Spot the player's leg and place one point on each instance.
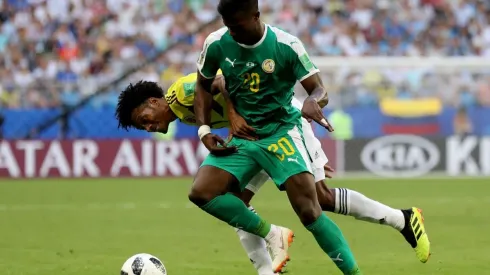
(213, 182)
(253, 186)
(349, 202)
(212, 189)
(286, 161)
(352, 203)
(302, 195)
(255, 246)
(409, 222)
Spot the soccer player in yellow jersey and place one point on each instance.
(145, 106)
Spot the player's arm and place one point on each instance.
(308, 74)
(238, 125)
(207, 66)
(316, 100)
(315, 89)
(203, 100)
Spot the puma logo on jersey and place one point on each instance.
(231, 62)
(293, 160)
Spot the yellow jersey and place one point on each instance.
(180, 98)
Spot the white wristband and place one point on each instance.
(203, 130)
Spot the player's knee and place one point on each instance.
(303, 197)
(199, 196)
(309, 213)
(196, 197)
(326, 196)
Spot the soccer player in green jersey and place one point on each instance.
(145, 105)
(261, 65)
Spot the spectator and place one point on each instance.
(483, 86)
(462, 124)
(465, 97)
(79, 45)
(2, 121)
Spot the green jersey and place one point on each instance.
(259, 78)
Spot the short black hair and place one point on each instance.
(228, 7)
(132, 97)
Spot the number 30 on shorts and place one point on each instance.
(285, 146)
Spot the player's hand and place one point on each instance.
(217, 145)
(312, 111)
(328, 171)
(239, 127)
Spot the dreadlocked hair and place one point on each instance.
(132, 97)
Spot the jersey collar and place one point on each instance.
(258, 43)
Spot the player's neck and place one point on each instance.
(173, 116)
(256, 38)
(260, 33)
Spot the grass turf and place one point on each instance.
(90, 226)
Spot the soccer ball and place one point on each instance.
(143, 264)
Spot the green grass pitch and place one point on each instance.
(90, 226)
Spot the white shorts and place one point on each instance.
(314, 148)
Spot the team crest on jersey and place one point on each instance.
(268, 66)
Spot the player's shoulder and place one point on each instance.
(216, 36)
(288, 40)
(211, 44)
(182, 90)
(283, 36)
(187, 89)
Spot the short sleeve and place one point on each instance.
(208, 62)
(302, 65)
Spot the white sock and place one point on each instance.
(272, 233)
(255, 247)
(352, 203)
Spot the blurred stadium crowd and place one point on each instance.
(55, 52)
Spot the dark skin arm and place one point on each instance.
(238, 125)
(317, 99)
(218, 85)
(203, 100)
(202, 108)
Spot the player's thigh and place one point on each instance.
(315, 151)
(302, 195)
(240, 164)
(252, 187)
(283, 155)
(209, 182)
(257, 182)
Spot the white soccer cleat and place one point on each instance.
(278, 246)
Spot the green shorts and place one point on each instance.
(281, 155)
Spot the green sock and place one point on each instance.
(233, 211)
(331, 240)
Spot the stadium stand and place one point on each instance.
(53, 53)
